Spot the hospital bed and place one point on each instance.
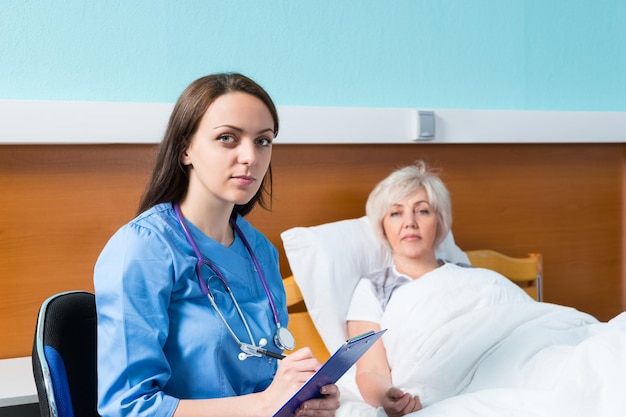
(329, 258)
(467, 351)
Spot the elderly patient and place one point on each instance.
(456, 330)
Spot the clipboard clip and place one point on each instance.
(362, 336)
(359, 337)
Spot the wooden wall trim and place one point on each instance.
(623, 241)
(60, 204)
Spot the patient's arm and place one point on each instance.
(373, 376)
(372, 371)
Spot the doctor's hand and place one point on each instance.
(292, 373)
(397, 403)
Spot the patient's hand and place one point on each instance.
(398, 403)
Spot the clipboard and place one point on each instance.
(330, 372)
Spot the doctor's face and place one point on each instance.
(231, 150)
(410, 227)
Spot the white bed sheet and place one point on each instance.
(471, 343)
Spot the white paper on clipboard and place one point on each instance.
(330, 372)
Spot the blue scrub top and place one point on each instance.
(159, 339)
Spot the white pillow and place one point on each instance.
(328, 260)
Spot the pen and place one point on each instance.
(270, 354)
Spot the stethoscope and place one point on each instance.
(283, 338)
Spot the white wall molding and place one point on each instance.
(72, 122)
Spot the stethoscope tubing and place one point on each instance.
(248, 349)
(205, 289)
(258, 269)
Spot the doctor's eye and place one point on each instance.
(264, 141)
(226, 139)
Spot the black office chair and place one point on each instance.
(64, 355)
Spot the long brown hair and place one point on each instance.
(170, 178)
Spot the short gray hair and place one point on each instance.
(402, 183)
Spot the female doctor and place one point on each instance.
(192, 316)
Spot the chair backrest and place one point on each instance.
(64, 355)
(527, 272)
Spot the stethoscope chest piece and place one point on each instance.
(284, 339)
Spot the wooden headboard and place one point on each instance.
(60, 204)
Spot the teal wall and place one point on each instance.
(479, 54)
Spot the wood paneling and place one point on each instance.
(60, 204)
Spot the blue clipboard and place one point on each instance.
(330, 372)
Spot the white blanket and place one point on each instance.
(471, 343)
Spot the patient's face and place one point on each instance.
(410, 226)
